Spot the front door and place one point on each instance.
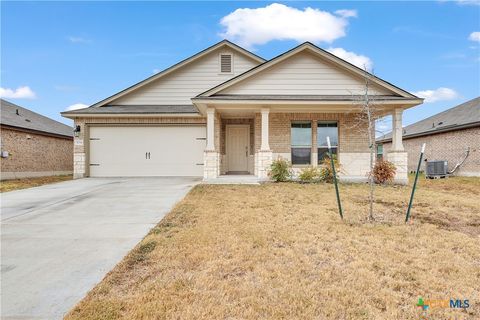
(237, 145)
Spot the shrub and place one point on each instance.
(280, 170)
(326, 171)
(309, 174)
(383, 171)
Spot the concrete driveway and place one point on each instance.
(59, 240)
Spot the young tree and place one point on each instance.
(367, 113)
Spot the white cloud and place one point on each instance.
(347, 13)
(474, 36)
(440, 94)
(74, 39)
(76, 106)
(251, 27)
(363, 62)
(20, 93)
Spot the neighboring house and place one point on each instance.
(228, 111)
(452, 135)
(33, 145)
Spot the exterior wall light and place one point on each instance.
(76, 131)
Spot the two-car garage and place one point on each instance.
(141, 151)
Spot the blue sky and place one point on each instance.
(57, 54)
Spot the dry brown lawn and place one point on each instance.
(280, 251)
(17, 184)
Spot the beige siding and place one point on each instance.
(181, 85)
(303, 74)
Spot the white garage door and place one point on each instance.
(147, 151)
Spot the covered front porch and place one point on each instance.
(237, 145)
(244, 139)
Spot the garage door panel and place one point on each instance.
(147, 151)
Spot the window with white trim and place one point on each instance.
(324, 130)
(301, 135)
(226, 63)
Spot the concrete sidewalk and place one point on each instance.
(59, 240)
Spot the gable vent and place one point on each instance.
(226, 63)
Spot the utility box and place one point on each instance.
(436, 169)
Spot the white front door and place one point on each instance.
(238, 137)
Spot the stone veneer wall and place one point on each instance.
(79, 151)
(34, 155)
(450, 146)
(211, 163)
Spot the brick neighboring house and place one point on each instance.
(33, 145)
(448, 135)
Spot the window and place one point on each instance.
(379, 151)
(324, 130)
(301, 133)
(225, 63)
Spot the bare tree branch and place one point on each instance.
(367, 111)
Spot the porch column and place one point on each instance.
(210, 129)
(265, 144)
(397, 130)
(211, 158)
(264, 157)
(397, 155)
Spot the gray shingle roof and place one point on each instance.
(30, 120)
(297, 97)
(464, 115)
(158, 109)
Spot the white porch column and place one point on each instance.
(397, 155)
(210, 129)
(264, 157)
(397, 130)
(265, 144)
(211, 158)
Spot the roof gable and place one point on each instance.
(303, 74)
(224, 44)
(298, 65)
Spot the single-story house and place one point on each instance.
(452, 135)
(226, 110)
(33, 145)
